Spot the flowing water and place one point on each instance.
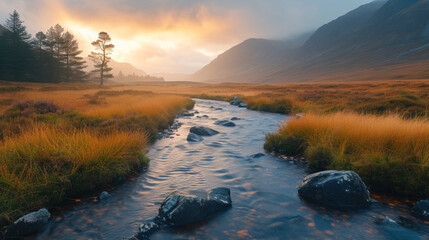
(264, 191)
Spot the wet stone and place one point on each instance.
(335, 189)
(225, 123)
(29, 224)
(203, 131)
(192, 137)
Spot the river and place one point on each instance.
(264, 191)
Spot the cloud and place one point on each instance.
(176, 35)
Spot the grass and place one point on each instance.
(60, 144)
(390, 153)
(45, 165)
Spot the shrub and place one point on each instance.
(319, 157)
(289, 145)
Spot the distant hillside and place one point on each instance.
(387, 39)
(125, 68)
(249, 61)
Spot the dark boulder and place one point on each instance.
(225, 123)
(29, 224)
(235, 119)
(421, 210)
(192, 137)
(335, 189)
(218, 109)
(180, 208)
(203, 131)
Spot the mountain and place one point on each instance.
(125, 68)
(248, 61)
(382, 39)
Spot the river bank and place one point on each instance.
(265, 203)
(56, 146)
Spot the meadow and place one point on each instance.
(378, 129)
(59, 142)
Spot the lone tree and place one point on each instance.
(100, 57)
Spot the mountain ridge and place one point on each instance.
(383, 34)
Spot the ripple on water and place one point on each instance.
(264, 191)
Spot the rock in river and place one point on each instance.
(225, 123)
(192, 137)
(242, 105)
(181, 208)
(203, 131)
(184, 207)
(335, 189)
(421, 210)
(235, 101)
(29, 224)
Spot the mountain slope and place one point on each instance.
(383, 37)
(248, 61)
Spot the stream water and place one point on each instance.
(264, 191)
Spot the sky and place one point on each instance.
(176, 36)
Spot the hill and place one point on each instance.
(248, 61)
(386, 38)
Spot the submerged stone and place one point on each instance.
(257, 155)
(225, 123)
(192, 137)
(335, 189)
(203, 131)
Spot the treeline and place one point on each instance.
(51, 56)
(137, 78)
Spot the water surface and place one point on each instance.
(264, 191)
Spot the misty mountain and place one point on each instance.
(125, 68)
(387, 39)
(249, 61)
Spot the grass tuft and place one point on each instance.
(389, 152)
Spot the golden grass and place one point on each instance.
(60, 141)
(153, 105)
(45, 164)
(390, 153)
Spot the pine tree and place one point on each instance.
(19, 32)
(19, 55)
(74, 64)
(39, 43)
(100, 57)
